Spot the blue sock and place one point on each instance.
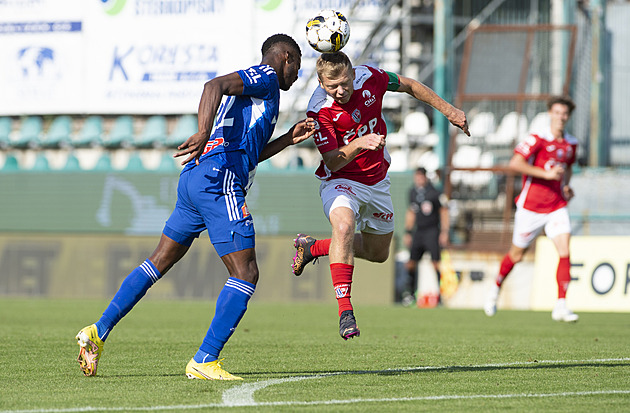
(231, 305)
(130, 292)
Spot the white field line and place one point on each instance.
(243, 395)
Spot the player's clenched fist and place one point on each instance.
(372, 141)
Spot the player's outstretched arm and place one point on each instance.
(213, 92)
(425, 94)
(299, 132)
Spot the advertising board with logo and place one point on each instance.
(600, 274)
(144, 56)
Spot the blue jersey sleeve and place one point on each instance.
(259, 81)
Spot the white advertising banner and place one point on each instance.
(148, 56)
(41, 56)
(600, 274)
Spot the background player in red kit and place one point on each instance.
(350, 135)
(545, 161)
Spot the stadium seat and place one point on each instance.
(264, 166)
(10, 163)
(135, 164)
(104, 163)
(58, 134)
(72, 163)
(482, 124)
(399, 160)
(416, 126)
(396, 140)
(430, 161)
(153, 134)
(513, 126)
(167, 163)
(185, 127)
(540, 123)
(29, 132)
(41, 163)
(90, 133)
(6, 126)
(121, 133)
(466, 156)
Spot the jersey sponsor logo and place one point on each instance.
(320, 139)
(356, 115)
(342, 290)
(362, 74)
(349, 134)
(369, 98)
(336, 118)
(345, 188)
(213, 144)
(551, 148)
(384, 216)
(245, 210)
(253, 75)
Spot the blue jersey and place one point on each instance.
(246, 122)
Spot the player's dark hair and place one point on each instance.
(278, 39)
(563, 100)
(332, 64)
(421, 170)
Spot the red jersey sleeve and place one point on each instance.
(529, 146)
(325, 138)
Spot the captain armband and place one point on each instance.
(394, 81)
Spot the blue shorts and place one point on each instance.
(211, 196)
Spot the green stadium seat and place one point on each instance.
(167, 163)
(135, 163)
(59, 133)
(91, 132)
(72, 163)
(121, 133)
(104, 163)
(41, 163)
(153, 134)
(10, 163)
(6, 126)
(185, 127)
(29, 133)
(264, 166)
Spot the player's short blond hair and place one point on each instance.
(332, 65)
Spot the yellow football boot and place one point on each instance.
(208, 371)
(91, 347)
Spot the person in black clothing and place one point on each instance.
(426, 229)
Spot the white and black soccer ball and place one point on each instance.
(328, 32)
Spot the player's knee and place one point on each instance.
(344, 229)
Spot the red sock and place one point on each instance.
(320, 247)
(563, 276)
(504, 270)
(342, 280)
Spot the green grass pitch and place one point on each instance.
(292, 359)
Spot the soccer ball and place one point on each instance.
(328, 32)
